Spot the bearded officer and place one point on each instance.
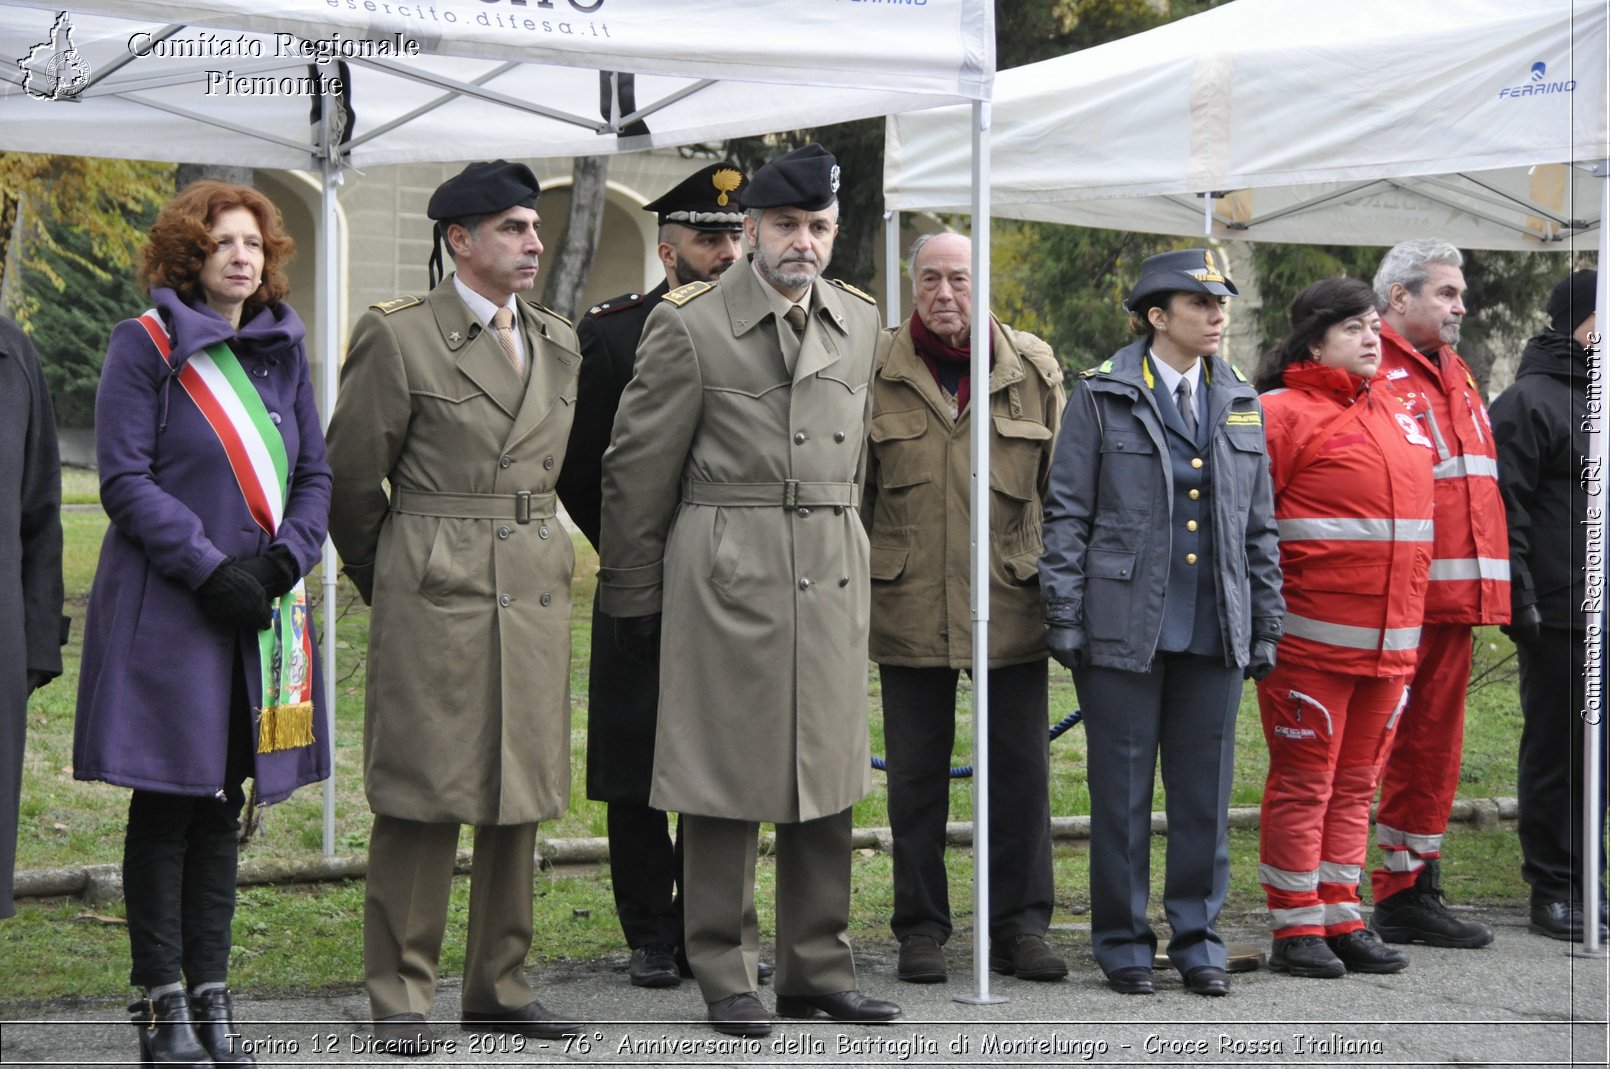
(701, 227)
(729, 504)
(461, 400)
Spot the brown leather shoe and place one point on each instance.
(406, 1035)
(532, 1019)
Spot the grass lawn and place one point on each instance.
(311, 935)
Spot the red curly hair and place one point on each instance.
(180, 241)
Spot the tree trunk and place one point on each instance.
(1244, 334)
(568, 271)
(12, 225)
(186, 173)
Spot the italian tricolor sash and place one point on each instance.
(234, 410)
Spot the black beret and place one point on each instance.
(806, 178)
(707, 199)
(1186, 270)
(1572, 301)
(483, 188)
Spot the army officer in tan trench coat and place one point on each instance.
(462, 400)
(729, 504)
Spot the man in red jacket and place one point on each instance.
(1421, 290)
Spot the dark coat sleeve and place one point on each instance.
(1263, 559)
(597, 395)
(1525, 440)
(1070, 506)
(40, 518)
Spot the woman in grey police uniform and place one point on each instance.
(1161, 578)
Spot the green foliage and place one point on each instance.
(76, 303)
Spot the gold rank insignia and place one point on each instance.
(683, 294)
(1253, 419)
(725, 180)
(396, 304)
(847, 288)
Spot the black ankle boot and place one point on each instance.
(214, 1013)
(167, 1035)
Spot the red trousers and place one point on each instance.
(1327, 735)
(1422, 769)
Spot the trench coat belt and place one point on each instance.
(787, 494)
(521, 507)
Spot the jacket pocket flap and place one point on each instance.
(1246, 439)
(1126, 442)
(1007, 427)
(898, 426)
(887, 562)
(1023, 567)
(1109, 564)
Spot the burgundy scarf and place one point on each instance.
(934, 352)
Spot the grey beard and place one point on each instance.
(784, 281)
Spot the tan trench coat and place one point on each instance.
(918, 507)
(467, 716)
(763, 675)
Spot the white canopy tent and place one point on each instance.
(229, 81)
(1484, 122)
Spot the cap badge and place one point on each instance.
(725, 180)
(833, 179)
(1209, 273)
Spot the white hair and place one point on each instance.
(1405, 265)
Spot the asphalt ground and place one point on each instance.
(1522, 1001)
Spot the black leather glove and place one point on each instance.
(275, 571)
(1262, 660)
(639, 637)
(1526, 628)
(231, 597)
(1067, 644)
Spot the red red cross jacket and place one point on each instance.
(1353, 490)
(1470, 558)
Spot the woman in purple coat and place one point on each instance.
(199, 667)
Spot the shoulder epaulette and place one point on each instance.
(1037, 353)
(396, 304)
(549, 311)
(847, 288)
(1101, 369)
(1239, 377)
(683, 294)
(615, 304)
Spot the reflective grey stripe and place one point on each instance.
(1356, 529)
(1386, 835)
(1430, 420)
(1286, 880)
(1402, 861)
(1353, 638)
(1341, 912)
(1303, 915)
(1494, 568)
(1460, 467)
(1332, 872)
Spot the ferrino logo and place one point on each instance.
(1539, 84)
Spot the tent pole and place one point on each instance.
(1593, 714)
(329, 329)
(980, 558)
(891, 267)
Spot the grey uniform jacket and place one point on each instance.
(1108, 527)
(730, 493)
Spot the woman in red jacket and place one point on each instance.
(1353, 493)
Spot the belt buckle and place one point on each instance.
(790, 493)
(522, 506)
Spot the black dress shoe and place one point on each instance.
(1557, 920)
(1135, 980)
(167, 1035)
(1208, 980)
(855, 1006)
(739, 1015)
(654, 965)
(406, 1035)
(213, 1012)
(764, 970)
(1361, 950)
(532, 1019)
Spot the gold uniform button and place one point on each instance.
(1195, 494)
(1190, 525)
(1196, 462)
(1190, 558)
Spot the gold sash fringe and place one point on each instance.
(285, 727)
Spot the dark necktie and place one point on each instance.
(1182, 398)
(796, 318)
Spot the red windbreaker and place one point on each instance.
(1470, 558)
(1353, 498)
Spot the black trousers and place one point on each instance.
(645, 870)
(1550, 768)
(919, 730)
(180, 855)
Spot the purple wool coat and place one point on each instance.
(154, 688)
